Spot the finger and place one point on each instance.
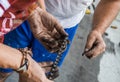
(58, 26)
(89, 44)
(90, 41)
(98, 49)
(40, 32)
(36, 25)
(101, 48)
(56, 35)
(93, 53)
(51, 50)
(60, 30)
(49, 41)
(51, 23)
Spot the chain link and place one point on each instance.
(54, 72)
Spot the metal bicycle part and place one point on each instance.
(53, 73)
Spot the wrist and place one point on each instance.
(98, 30)
(32, 8)
(11, 58)
(34, 13)
(96, 33)
(26, 53)
(17, 63)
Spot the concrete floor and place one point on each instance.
(104, 68)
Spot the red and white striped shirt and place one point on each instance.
(12, 13)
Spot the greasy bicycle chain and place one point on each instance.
(54, 70)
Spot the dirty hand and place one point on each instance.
(95, 44)
(34, 73)
(46, 29)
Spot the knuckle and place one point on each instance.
(87, 47)
(90, 53)
(88, 44)
(90, 37)
(104, 46)
(104, 50)
(96, 53)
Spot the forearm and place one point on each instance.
(9, 57)
(41, 4)
(104, 14)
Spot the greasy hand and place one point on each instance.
(46, 29)
(34, 73)
(95, 45)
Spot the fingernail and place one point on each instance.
(86, 50)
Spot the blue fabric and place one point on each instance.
(22, 37)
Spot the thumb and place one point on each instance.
(89, 44)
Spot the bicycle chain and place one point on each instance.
(52, 74)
